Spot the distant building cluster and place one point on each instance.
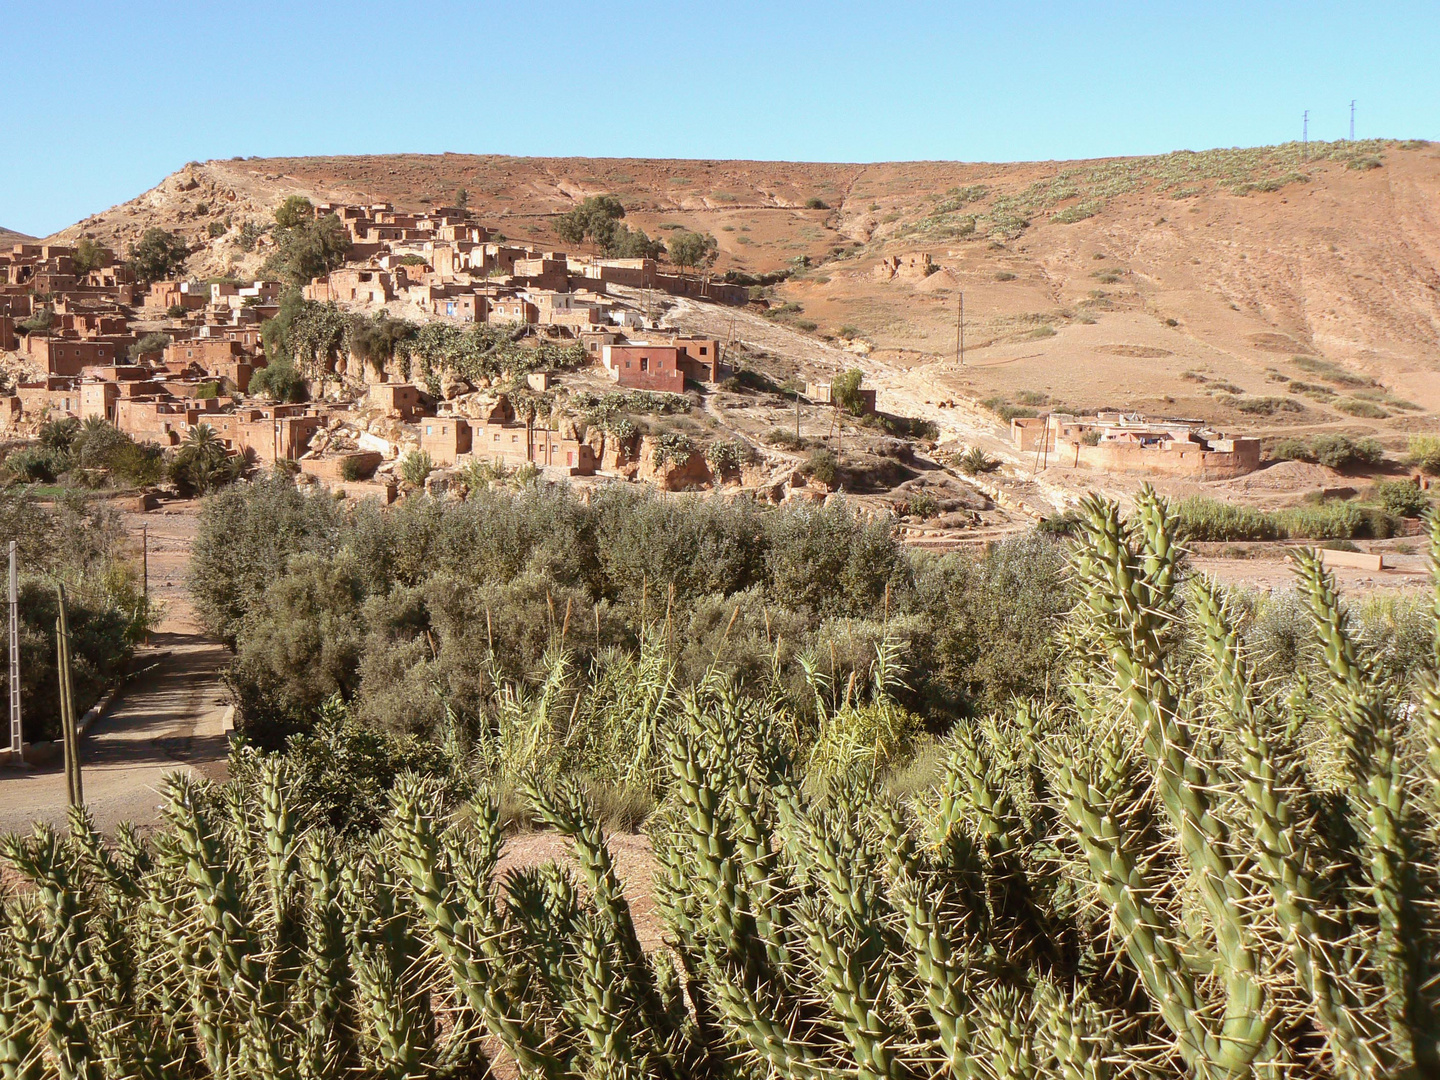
(1129, 442)
(158, 360)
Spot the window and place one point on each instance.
(644, 363)
(702, 350)
(429, 430)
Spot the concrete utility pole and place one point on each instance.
(1352, 119)
(1305, 136)
(17, 737)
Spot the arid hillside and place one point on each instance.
(1272, 289)
(10, 236)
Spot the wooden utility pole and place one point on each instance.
(17, 736)
(68, 724)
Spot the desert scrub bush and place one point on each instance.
(1167, 870)
(1330, 371)
(1260, 406)
(823, 467)
(1354, 406)
(1403, 498)
(1005, 410)
(1423, 453)
(355, 468)
(785, 439)
(416, 467)
(1334, 451)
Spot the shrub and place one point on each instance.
(823, 467)
(1362, 408)
(1340, 451)
(784, 438)
(279, 380)
(816, 203)
(1293, 449)
(415, 468)
(354, 468)
(149, 343)
(1424, 453)
(976, 461)
(1403, 498)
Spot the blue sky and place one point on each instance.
(110, 97)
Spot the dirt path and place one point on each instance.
(167, 718)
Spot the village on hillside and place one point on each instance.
(524, 360)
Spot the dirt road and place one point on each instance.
(167, 718)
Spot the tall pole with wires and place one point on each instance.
(17, 737)
(960, 333)
(1352, 119)
(1305, 136)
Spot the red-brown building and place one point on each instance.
(643, 366)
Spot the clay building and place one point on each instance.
(641, 365)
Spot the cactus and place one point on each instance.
(1163, 875)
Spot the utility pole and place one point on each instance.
(960, 334)
(1352, 119)
(1305, 136)
(68, 724)
(17, 737)
(145, 573)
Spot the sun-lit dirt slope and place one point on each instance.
(1183, 283)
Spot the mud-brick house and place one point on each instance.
(400, 400)
(512, 309)
(641, 365)
(445, 438)
(67, 356)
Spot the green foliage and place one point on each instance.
(975, 461)
(307, 246)
(689, 250)
(1167, 869)
(202, 463)
(816, 203)
(415, 467)
(729, 456)
(595, 219)
(846, 392)
(378, 340)
(1203, 518)
(158, 254)
(279, 380)
(1424, 453)
(80, 542)
(823, 466)
(354, 468)
(90, 255)
(672, 449)
(1403, 498)
(39, 322)
(148, 344)
(1331, 450)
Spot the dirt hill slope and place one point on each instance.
(10, 236)
(1184, 283)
